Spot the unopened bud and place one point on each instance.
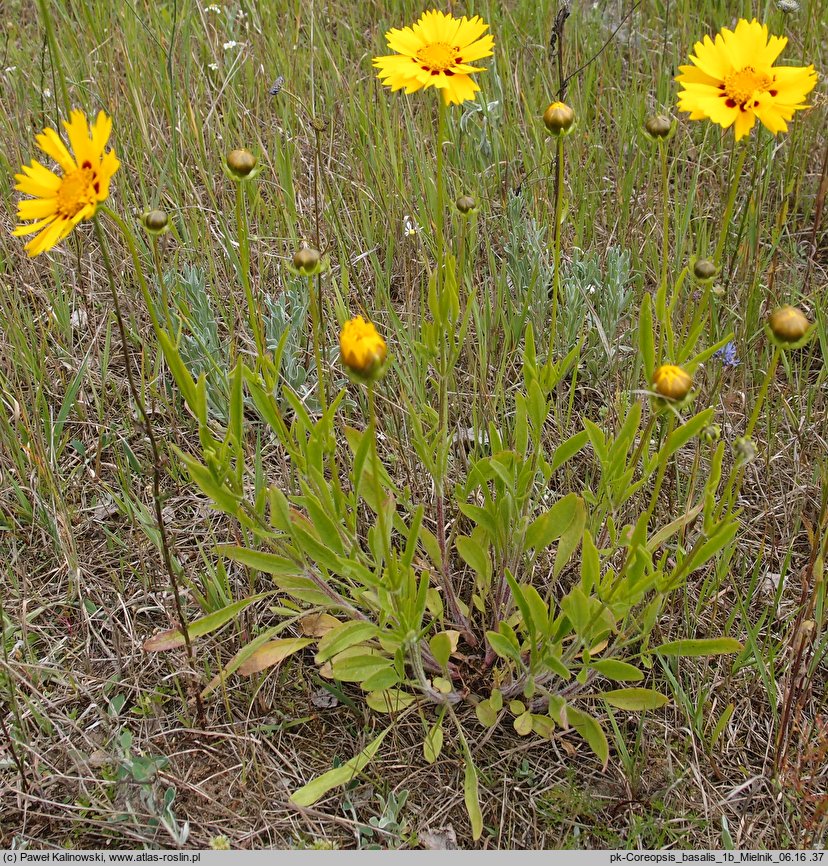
(155, 222)
(658, 126)
(559, 118)
(466, 204)
(241, 163)
(704, 269)
(744, 450)
(711, 433)
(789, 325)
(306, 260)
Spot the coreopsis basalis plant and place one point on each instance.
(552, 599)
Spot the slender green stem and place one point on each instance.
(735, 480)
(763, 391)
(556, 275)
(253, 311)
(46, 15)
(378, 491)
(316, 327)
(129, 237)
(162, 285)
(166, 546)
(729, 205)
(440, 215)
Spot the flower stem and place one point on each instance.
(46, 15)
(316, 327)
(729, 205)
(253, 311)
(166, 547)
(556, 275)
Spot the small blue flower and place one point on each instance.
(727, 355)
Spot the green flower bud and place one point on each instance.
(559, 118)
(241, 164)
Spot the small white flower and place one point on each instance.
(230, 44)
(47, 93)
(213, 66)
(410, 228)
(213, 8)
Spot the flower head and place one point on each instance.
(672, 382)
(362, 349)
(466, 205)
(558, 118)
(241, 164)
(727, 355)
(789, 327)
(436, 52)
(60, 202)
(307, 260)
(733, 80)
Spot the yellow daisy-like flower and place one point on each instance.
(436, 52)
(362, 349)
(59, 203)
(733, 80)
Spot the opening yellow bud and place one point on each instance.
(672, 382)
(241, 162)
(558, 118)
(362, 349)
(788, 324)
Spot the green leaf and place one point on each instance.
(357, 669)
(269, 563)
(619, 671)
(591, 731)
(180, 373)
(503, 646)
(471, 796)
(344, 636)
(646, 340)
(567, 450)
(475, 556)
(389, 700)
(222, 497)
(635, 699)
(441, 648)
(173, 638)
(311, 793)
(693, 648)
(686, 432)
(433, 743)
(552, 524)
(571, 538)
(486, 713)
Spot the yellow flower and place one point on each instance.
(59, 203)
(733, 80)
(362, 349)
(672, 382)
(436, 52)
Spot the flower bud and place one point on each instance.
(789, 326)
(704, 269)
(744, 450)
(155, 222)
(466, 204)
(658, 126)
(672, 382)
(362, 350)
(787, 7)
(306, 260)
(240, 163)
(559, 118)
(711, 433)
